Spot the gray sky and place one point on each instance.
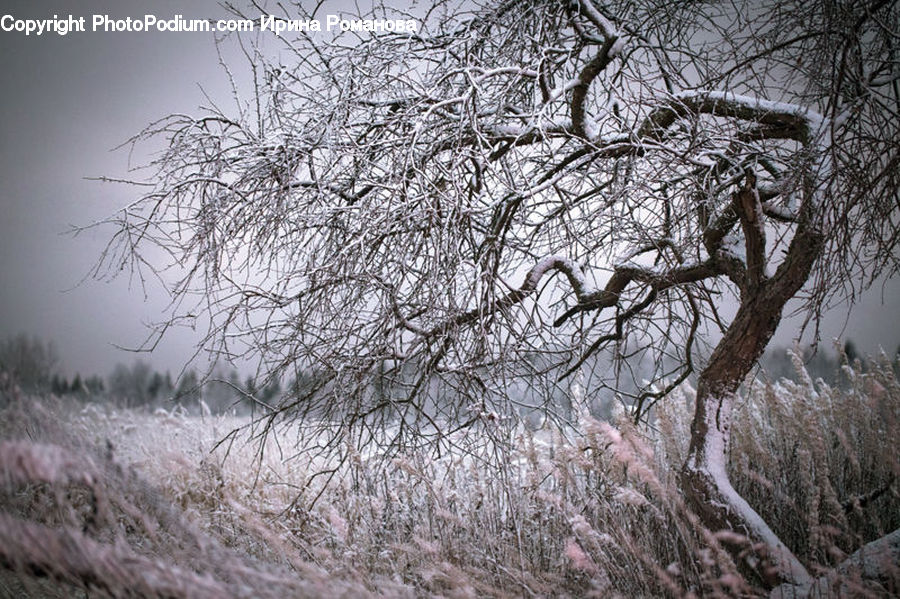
(66, 102)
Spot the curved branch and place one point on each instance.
(783, 120)
(598, 19)
(612, 47)
(606, 55)
(568, 267)
(624, 274)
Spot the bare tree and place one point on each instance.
(405, 217)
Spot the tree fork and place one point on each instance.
(704, 476)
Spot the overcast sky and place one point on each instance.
(67, 101)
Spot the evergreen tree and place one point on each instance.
(188, 390)
(59, 385)
(77, 386)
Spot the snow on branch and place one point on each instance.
(581, 122)
(789, 121)
(588, 297)
(605, 26)
(570, 268)
(572, 271)
(612, 47)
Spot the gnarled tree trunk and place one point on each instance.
(704, 477)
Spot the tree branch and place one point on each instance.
(573, 273)
(752, 223)
(789, 120)
(587, 75)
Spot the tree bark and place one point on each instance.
(873, 570)
(704, 476)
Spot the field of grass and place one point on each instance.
(96, 502)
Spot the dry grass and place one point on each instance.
(113, 503)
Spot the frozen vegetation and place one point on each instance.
(103, 501)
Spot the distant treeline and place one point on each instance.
(34, 366)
